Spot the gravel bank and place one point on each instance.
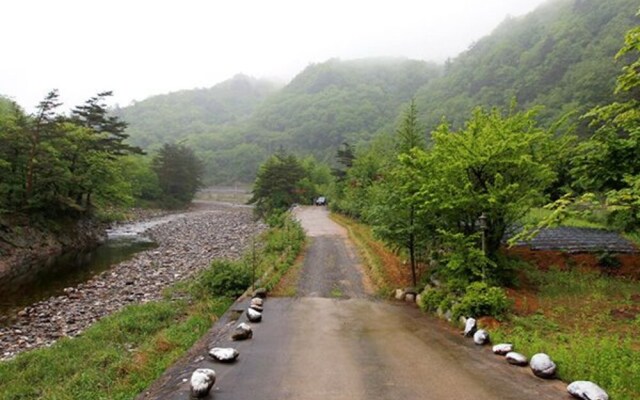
(186, 245)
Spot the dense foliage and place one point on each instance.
(53, 164)
(559, 56)
(284, 180)
(179, 174)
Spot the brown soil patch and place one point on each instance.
(545, 259)
(525, 302)
(489, 323)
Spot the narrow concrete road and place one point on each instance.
(346, 345)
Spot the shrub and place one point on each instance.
(480, 300)
(226, 278)
(608, 261)
(434, 298)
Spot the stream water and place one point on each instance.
(42, 280)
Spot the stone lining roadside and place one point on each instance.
(186, 245)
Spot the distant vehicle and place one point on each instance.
(321, 201)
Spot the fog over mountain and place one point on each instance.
(143, 48)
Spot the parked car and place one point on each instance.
(321, 201)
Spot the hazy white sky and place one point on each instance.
(138, 48)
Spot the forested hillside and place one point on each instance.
(171, 117)
(337, 100)
(323, 106)
(560, 56)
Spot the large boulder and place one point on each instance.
(224, 354)
(253, 315)
(542, 366)
(481, 337)
(242, 332)
(502, 348)
(202, 381)
(470, 327)
(586, 390)
(517, 359)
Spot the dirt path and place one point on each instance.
(318, 346)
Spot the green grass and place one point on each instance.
(120, 355)
(633, 236)
(576, 325)
(336, 292)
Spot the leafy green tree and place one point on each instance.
(278, 184)
(610, 160)
(499, 165)
(179, 173)
(393, 215)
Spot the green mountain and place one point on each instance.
(171, 117)
(335, 101)
(320, 108)
(560, 56)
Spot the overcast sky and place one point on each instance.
(139, 48)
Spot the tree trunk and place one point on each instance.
(412, 247)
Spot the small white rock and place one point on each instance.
(253, 315)
(257, 301)
(202, 381)
(542, 366)
(502, 348)
(586, 390)
(224, 354)
(481, 337)
(469, 327)
(400, 294)
(243, 331)
(410, 298)
(517, 359)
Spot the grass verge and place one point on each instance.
(120, 355)
(587, 322)
(384, 267)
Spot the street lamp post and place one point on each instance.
(483, 228)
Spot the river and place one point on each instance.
(39, 281)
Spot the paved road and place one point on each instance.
(319, 346)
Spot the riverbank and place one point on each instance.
(122, 354)
(186, 245)
(24, 243)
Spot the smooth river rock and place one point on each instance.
(242, 332)
(586, 390)
(517, 359)
(224, 354)
(253, 315)
(470, 327)
(542, 366)
(502, 349)
(257, 301)
(202, 381)
(481, 337)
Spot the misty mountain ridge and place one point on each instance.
(559, 56)
(170, 117)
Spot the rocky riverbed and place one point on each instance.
(186, 245)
